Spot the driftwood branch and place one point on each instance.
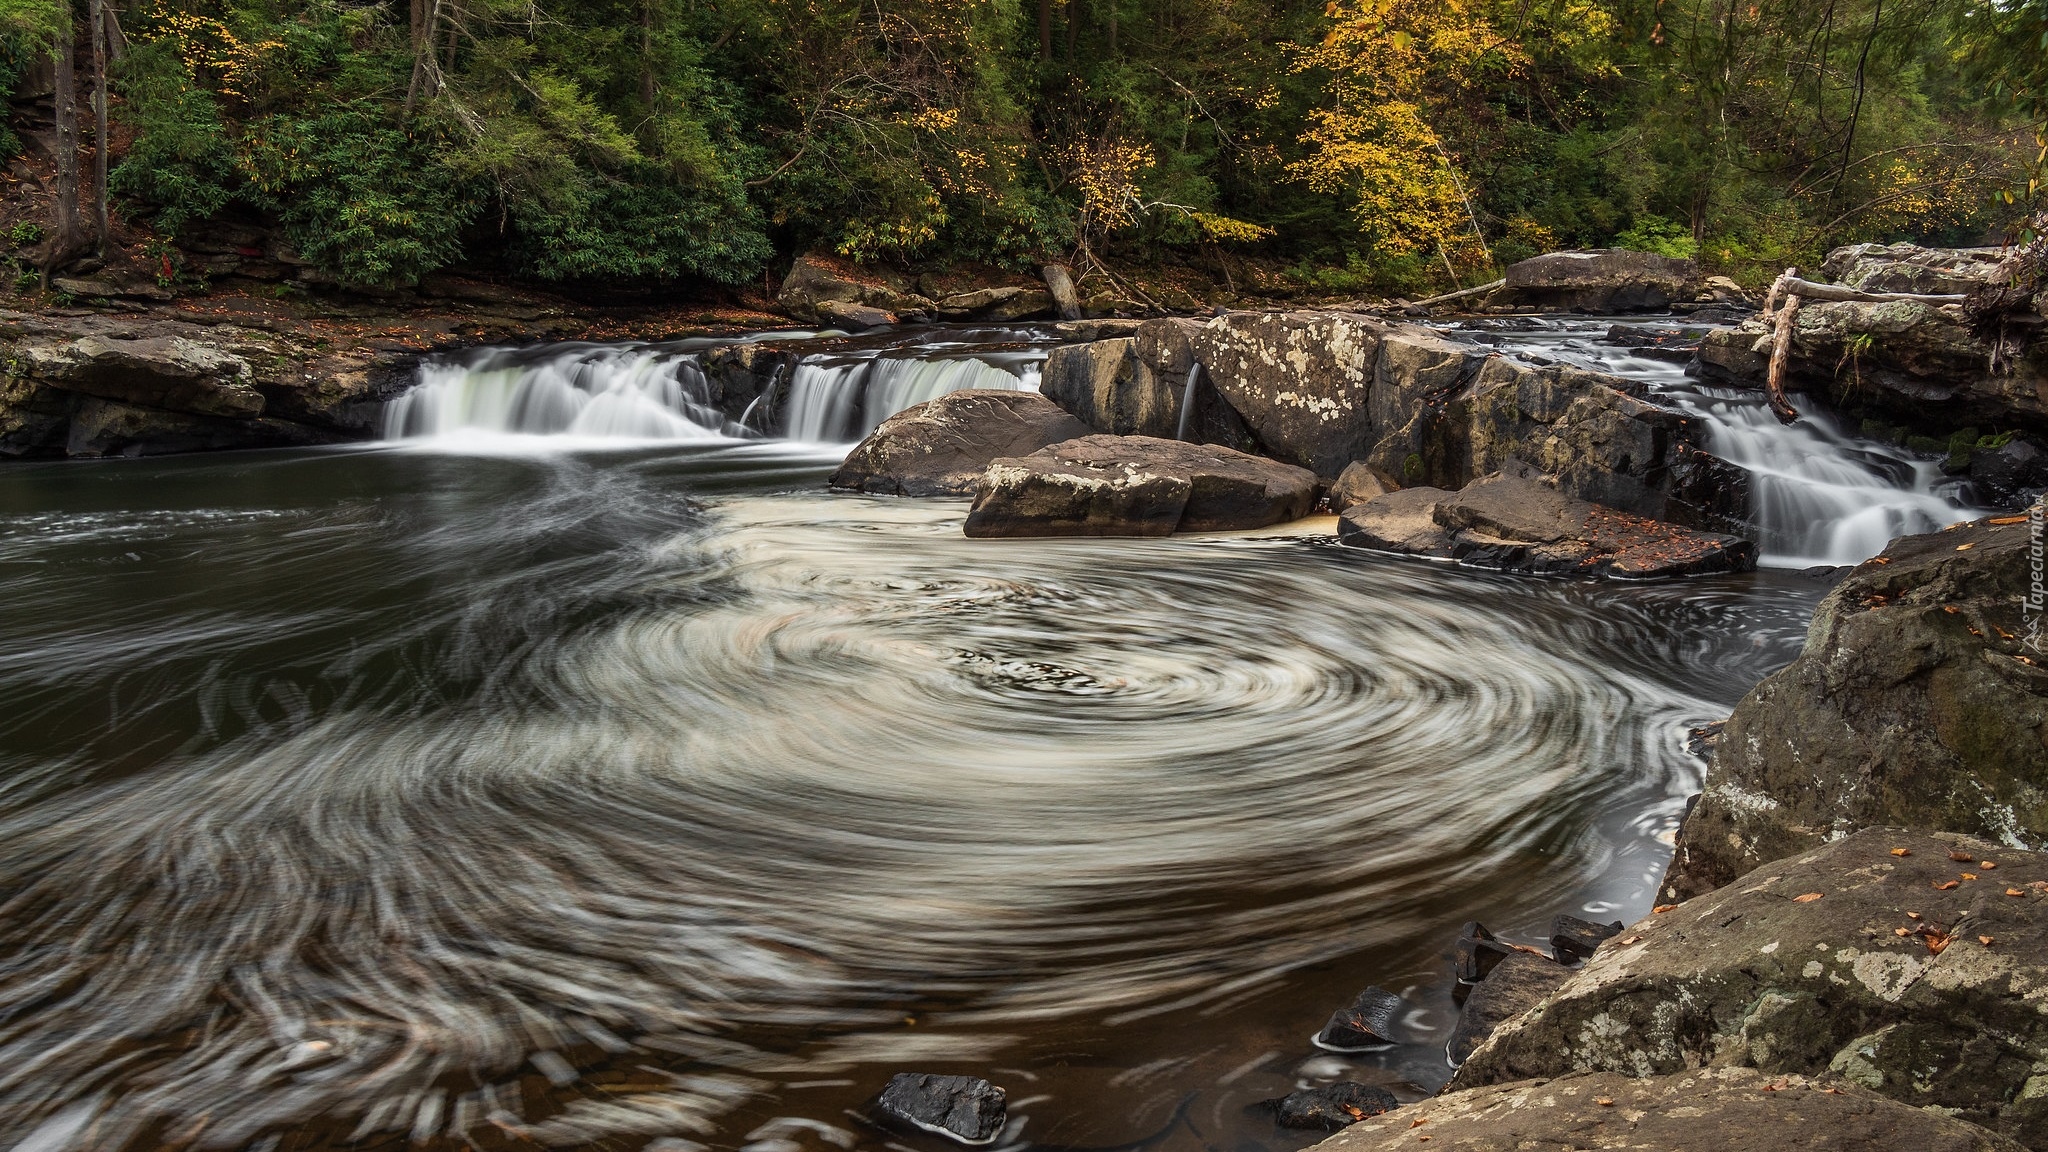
(1814, 291)
(1785, 322)
(1461, 294)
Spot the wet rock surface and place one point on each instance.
(1920, 700)
(1515, 984)
(1358, 483)
(964, 1108)
(1135, 486)
(942, 447)
(1517, 521)
(1717, 1110)
(1601, 280)
(1879, 959)
(1332, 1106)
(1372, 1021)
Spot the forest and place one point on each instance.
(1354, 145)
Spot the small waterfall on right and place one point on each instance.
(1820, 495)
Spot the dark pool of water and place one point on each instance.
(344, 795)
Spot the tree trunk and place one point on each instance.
(65, 239)
(647, 54)
(426, 20)
(1073, 29)
(1045, 29)
(102, 227)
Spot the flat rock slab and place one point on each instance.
(1879, 958)
(1918, 702)
(1136, 486)
(164, 372)
(1601, 280)
(1720, 1110)
(942, 447)
(1520, 523)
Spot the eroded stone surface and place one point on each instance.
(1918, 701)
(1719, 1110)
(943, 446)
(1135, 486)
(1825, 963)
(1603, 280)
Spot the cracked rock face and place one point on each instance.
(1918, 701)
(1720, 1110)
(1910, 974)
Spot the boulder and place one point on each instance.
(1717, 1110)
(1516, 984)
(1332, 1106)
(964, 1108)
(1301, 381)
(170, 373)
(1358, 483)
(1135, 486)
(1911, 268)
(1920, 364)
(110, 428)
(942, 447)
(1602, 280)
(1111, 390)
(827, 290)
(749, 382)
(1921, 699)
(2010, 471)
(1907, 963)
(1518, 522)
(999, 305)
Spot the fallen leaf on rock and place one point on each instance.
(1809, 898)
(1418, 1122)
(1984, 940)
(1660, 909)
(1964, 547)
(1632, 940)
(1936, 940)
(1944, 886)
(1950, 609)
(1969, 875)
(1988, 864)
(1912, 915)
(1604, 1101)
(1902, 931)
(1961, 857)
(2015, 892)
(1902, 851)
(1879, 560)
(2008, 520)
(1832, 1092)
(1421, 1137)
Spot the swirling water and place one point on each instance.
(386, 797)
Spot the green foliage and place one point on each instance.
(182, 162)
(1652, 233)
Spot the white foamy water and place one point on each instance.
(836, 392)
(1820, 495)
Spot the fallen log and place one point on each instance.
(1461, 294)
(1786, 321)
(1813, 290)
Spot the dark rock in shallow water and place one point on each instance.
(1136, 486)
(1372, 1021)
(1573, 939)
(1879, 958)
(1919, 701)
(965, 1108)
(1518, 983)
(2011, 474)
(1520, 523)
(1332, 1107)
(1711, 1110)
(1476, 954)
(942, 447)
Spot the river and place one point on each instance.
(622, 783)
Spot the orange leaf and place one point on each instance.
(1912, 915)
(1604, 1101)
(1902, 851)
(1988, 865)
(2015, 892)
(1969, 875)
(1809, 898)
(1902, 931)
(1660, 909)
(1943, 887)
(1961, 857)
(1984, 940)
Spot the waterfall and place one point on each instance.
(1819, 495)
(639, 392)
(1187, 400)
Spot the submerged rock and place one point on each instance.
(1511, 987)
(1881, 958)
(1135, 486)
(965, 1108)
(1332, 1107)
(943, 446)
(1921, 700)
(1517, 522)
(1601, 280)
(1372, 1021)
(1717, 1110)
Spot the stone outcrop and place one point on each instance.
(1601, 280)
(1518, 522)
(1918, 363)
(1513, 986)
(1717, 1110)
(1906, 963)
(1324, 390)
(823, 289)
(942, 447)
(1136, 486)
(106, 386)
(1921, 699)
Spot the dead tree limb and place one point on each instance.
(1787, 321)
(1462, 293)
